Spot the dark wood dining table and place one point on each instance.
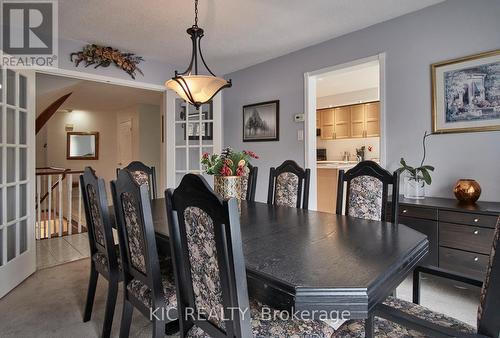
(314, 261)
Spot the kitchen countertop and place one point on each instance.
(336, 164)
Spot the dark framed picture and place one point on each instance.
(261, 121)
(466, 94)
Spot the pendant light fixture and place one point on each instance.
(195, 88)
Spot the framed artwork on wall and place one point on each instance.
(261, 121)
(466, 94)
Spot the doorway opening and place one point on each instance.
(344, 123)
(84, 123)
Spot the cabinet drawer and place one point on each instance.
(487, 221)
(411, 211)
(470, 264)
(466, 237)
(428, 228)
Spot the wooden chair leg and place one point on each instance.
(369, 326)
(158, 328)
(110, 308)
(90, 293)
(127, 311)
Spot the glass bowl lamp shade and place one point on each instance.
(197, 89)
(193, 87)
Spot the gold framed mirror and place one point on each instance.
(82, 146)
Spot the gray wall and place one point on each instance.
(412, 43)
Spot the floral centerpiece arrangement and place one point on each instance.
(230, 170)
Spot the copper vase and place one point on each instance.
(467, 190)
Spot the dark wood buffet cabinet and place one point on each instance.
(460, 236)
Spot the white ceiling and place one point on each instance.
(89, 95)
(349, 79)
(239, 33)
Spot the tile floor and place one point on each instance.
(58, 250)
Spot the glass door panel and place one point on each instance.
(193, 133)
(17, 249)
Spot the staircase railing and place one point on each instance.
(58, 204)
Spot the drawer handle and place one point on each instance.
(476, 259)
(405, 211)
(476, 232)
(476, 220)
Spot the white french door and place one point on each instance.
(17, 174)
(190, 133)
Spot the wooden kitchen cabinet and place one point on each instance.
(354, 121)
(326, 193)
(327, 121)
(372, 119)
(342, 118)
(358, 121)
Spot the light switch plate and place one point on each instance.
(300, 135)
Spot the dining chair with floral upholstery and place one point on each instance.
(148, 281)
(249, 183)
(210, 274)
(105, 256)
(367, 192)
(399, 318)
(289, 185)
(142, 174)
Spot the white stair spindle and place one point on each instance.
(70, 203)
(60, 200)
(79, 207)
(39, 209)
(49, 211)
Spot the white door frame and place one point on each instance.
(310, 116)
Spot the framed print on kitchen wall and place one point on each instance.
(261, 121)
(466, 94)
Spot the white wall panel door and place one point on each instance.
(190, 133)
(17, 177)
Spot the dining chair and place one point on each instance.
(289, 185)
(105, 255)
(148, 281)
(399, 318)
(210, 273)
(249, 183)
(142, 174)
(367, 192)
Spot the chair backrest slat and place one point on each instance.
(249, 184)
(99, 229)
(208, 260)
(136, 234)
(488, 321)
(367, 191)
(142, 174)
(289, 185)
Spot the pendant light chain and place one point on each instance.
(196, 13)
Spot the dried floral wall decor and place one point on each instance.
(104, 56)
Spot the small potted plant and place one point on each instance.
(416, 178)
(228, 169)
